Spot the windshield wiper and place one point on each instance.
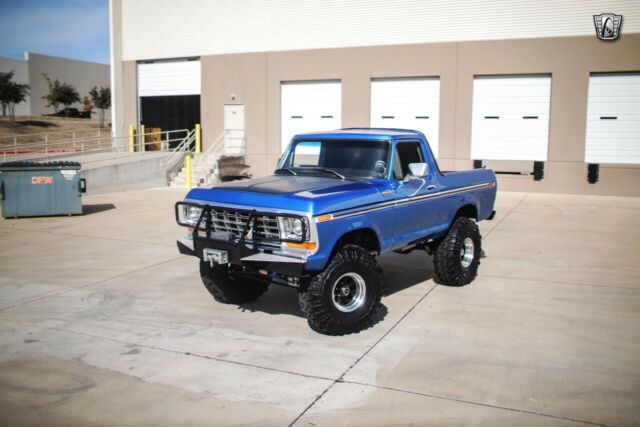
(321, 169)
(291, 171)
(331, 171)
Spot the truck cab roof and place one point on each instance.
(361, 133)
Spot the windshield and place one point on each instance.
(350, 158)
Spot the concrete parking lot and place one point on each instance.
(103, 323)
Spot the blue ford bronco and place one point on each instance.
(337, 200)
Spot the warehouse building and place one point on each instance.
(525, 88)
(82, 75)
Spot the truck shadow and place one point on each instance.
(404, 271)
(400, 272)
(280, 300)
(92, 209)
(397, 279)
(277, 300)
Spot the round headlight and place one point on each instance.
(297, 226)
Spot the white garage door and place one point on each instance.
(309, 107)
(407, 104)
(613, 119)
(169, 78)
(510, 118)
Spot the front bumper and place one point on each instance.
(242, 255)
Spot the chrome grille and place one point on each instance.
(232, 223)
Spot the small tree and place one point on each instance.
(53, 96)
(5, 79)
(101, 99)
(11, 93)
(60, 93)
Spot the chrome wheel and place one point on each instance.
(467, 252)
(349, 292)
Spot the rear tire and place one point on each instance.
(457, 257)
(345, 296)
(226, 288)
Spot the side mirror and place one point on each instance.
(419, 170)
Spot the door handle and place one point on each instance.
(431, 187)
(387, 193)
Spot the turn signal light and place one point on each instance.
(305, 245)
(323, 218)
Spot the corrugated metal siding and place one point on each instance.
(613, 119)
(166, 28)
(169, 78)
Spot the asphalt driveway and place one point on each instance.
(103, 323)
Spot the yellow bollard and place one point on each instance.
(132, 140)
(187, 162)
(143, 142)
(198, 140)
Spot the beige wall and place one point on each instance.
(129, 101)
(255, 80)
(80, 74)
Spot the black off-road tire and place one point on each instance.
(447, 260)
(226, 288)
(317, 299)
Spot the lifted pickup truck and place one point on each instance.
(337, 200)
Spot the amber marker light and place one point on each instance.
(305, 245)
(323, 218)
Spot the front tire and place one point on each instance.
(345, 296)
(457, 257)
(228, 289)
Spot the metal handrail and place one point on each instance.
(175, 161)
(52, 132)
(216, 149)
(184, 146)
(211, 154)
(92, 145)
(94, 138)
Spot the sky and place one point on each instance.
(77, 29)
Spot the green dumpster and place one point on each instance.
(40, 189)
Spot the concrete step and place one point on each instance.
(202, 173)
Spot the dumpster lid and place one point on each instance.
(40, 165)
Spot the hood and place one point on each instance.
(316, 195)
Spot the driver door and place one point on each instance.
(414, 218)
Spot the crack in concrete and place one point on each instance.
(558, 282)
(340, 379)
(64, 291)
(191, 354)
(507, 215)
(89, 237)
(471, 402)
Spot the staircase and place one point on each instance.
(203, 173)
(204, 166)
